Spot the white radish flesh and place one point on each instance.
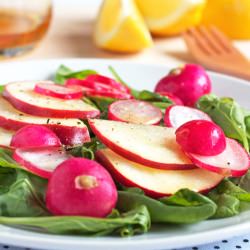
(134, 111)
(177, 115)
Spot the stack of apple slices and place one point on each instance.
(148, 157)
(22, 104)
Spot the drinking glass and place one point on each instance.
(23, 23)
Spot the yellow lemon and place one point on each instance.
(120, 27)
(170, 17)
(230, 16)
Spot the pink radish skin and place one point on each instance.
(188, 83)
(201, 137)
(134, 111)
(58, 91)
(40, 161)
(177, 115)
(90, 88)
(34, 136)
(81, 187)
(108, 81)
(233, 161)
(176, 100)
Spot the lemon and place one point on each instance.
(170, 17)
(230, 16)
(120, 27)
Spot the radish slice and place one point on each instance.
(134, 111)
(110, 94)
(177, 115)
(55, 90)
(40, 161)
(108, 81)
(233, 161)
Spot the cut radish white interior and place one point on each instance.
(149, 145)
(40, 161)
(156, 182)
(177, 115)
(58, 91)
(25, 99)
(233, 161)
(134, 111)
(70, 131)
(5, 137)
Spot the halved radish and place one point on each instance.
(134, 111)
(150, 145)
(108, 81)
(233, 161)
(55, 90)
(156, 182)
(176, 115)
(40, 161)
(5, 137)
(69, 131)
(22, 96)
(34, 136)
(90, 88)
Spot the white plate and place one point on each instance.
(164, 237)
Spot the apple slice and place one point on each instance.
(233, 161)
(69, 131)
(5, 137)
(156, 182)
(177, 115)
(40, 161)
(149, 145)
(23, 97)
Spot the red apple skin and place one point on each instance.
(137, 158)
(102, 159)
(48, 112)
(67, 135)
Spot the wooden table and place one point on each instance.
(70, 35)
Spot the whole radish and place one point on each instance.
(34, 136)
(201, 137)
(189, 83)
(81, 187)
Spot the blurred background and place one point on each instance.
(141, 30)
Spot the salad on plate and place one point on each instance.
(87, 154)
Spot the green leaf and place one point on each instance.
(87, 150)
(228, 115)
(230, 199)
(184, 207)
(63, 73)
(21, 193)
(136, 221)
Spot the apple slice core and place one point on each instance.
(156, 182)
(149, 145)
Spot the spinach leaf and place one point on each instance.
(227, 114)
(21, 193)
(87, 150)
(63, 73)
(230, 199)
(135, 221)
(184, 207)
